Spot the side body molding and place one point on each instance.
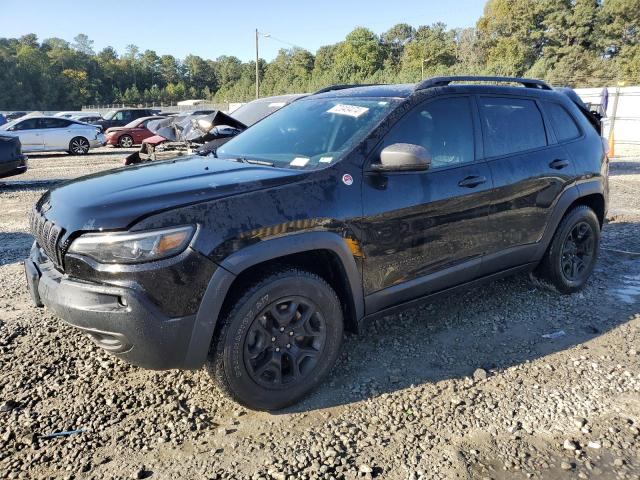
(236, 263)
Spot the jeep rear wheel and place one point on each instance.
(573, 252)
(278, 341)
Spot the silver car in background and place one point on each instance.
(52, 134)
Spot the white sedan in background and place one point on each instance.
(53, 134)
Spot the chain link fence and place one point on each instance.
(165, 107)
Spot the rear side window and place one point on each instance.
(444, 127)
(511, 125)
(563, 123)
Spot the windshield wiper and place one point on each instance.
(254, 161)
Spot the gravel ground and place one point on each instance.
(465, 387)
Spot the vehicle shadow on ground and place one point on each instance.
(15, 247)
(102, 153)
(493, 327)
(26, 185)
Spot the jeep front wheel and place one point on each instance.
(278, 341)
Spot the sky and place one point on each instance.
(213, 28)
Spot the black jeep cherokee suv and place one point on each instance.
(348, 203)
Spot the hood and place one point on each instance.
(154, 140)
(115, 129)
(116, 199)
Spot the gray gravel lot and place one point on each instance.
(464, 387)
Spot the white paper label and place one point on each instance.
(349, 110)
(325, 159)
(277, 104)
(299, 162)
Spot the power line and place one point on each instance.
(269, 36)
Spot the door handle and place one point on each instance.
(472, 181)
(559, 164)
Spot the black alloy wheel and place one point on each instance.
(278, 339)
(577, 252)
(572, 254)
(284, 342)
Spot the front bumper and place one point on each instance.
(100, 141)
(16, 167)
(119, 319)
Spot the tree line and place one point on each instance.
(566, 42)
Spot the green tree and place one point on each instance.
(432, 47)
(358, 57)
(82, 44)
(394, 40)
(132, 95)
(170, 69)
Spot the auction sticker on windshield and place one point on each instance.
(350, 110)
(299, 162)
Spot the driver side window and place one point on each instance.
(444, 127)
(29, 124)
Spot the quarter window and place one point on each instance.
(563, 124)
(511, 125)
(444, 127)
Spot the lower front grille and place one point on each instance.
(46, 234)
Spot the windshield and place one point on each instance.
(8, 125)
(252, 112)
(110, 114)
(133, 123)
(309, 133)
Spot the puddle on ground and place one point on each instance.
(629, 291)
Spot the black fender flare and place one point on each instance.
(567, 198)
(236, 263)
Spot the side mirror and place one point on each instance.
(11, 129)
(403, 157)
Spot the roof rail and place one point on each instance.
(444, 81)
(343, 86)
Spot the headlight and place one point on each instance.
(135, 247)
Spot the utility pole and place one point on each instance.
(257, 69)
(611, 139)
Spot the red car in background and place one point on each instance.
(131, 134)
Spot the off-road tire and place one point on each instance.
(549, 270)
(226, 361)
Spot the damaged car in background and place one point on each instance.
(133, 133)
(180, 135)
(203, 134)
